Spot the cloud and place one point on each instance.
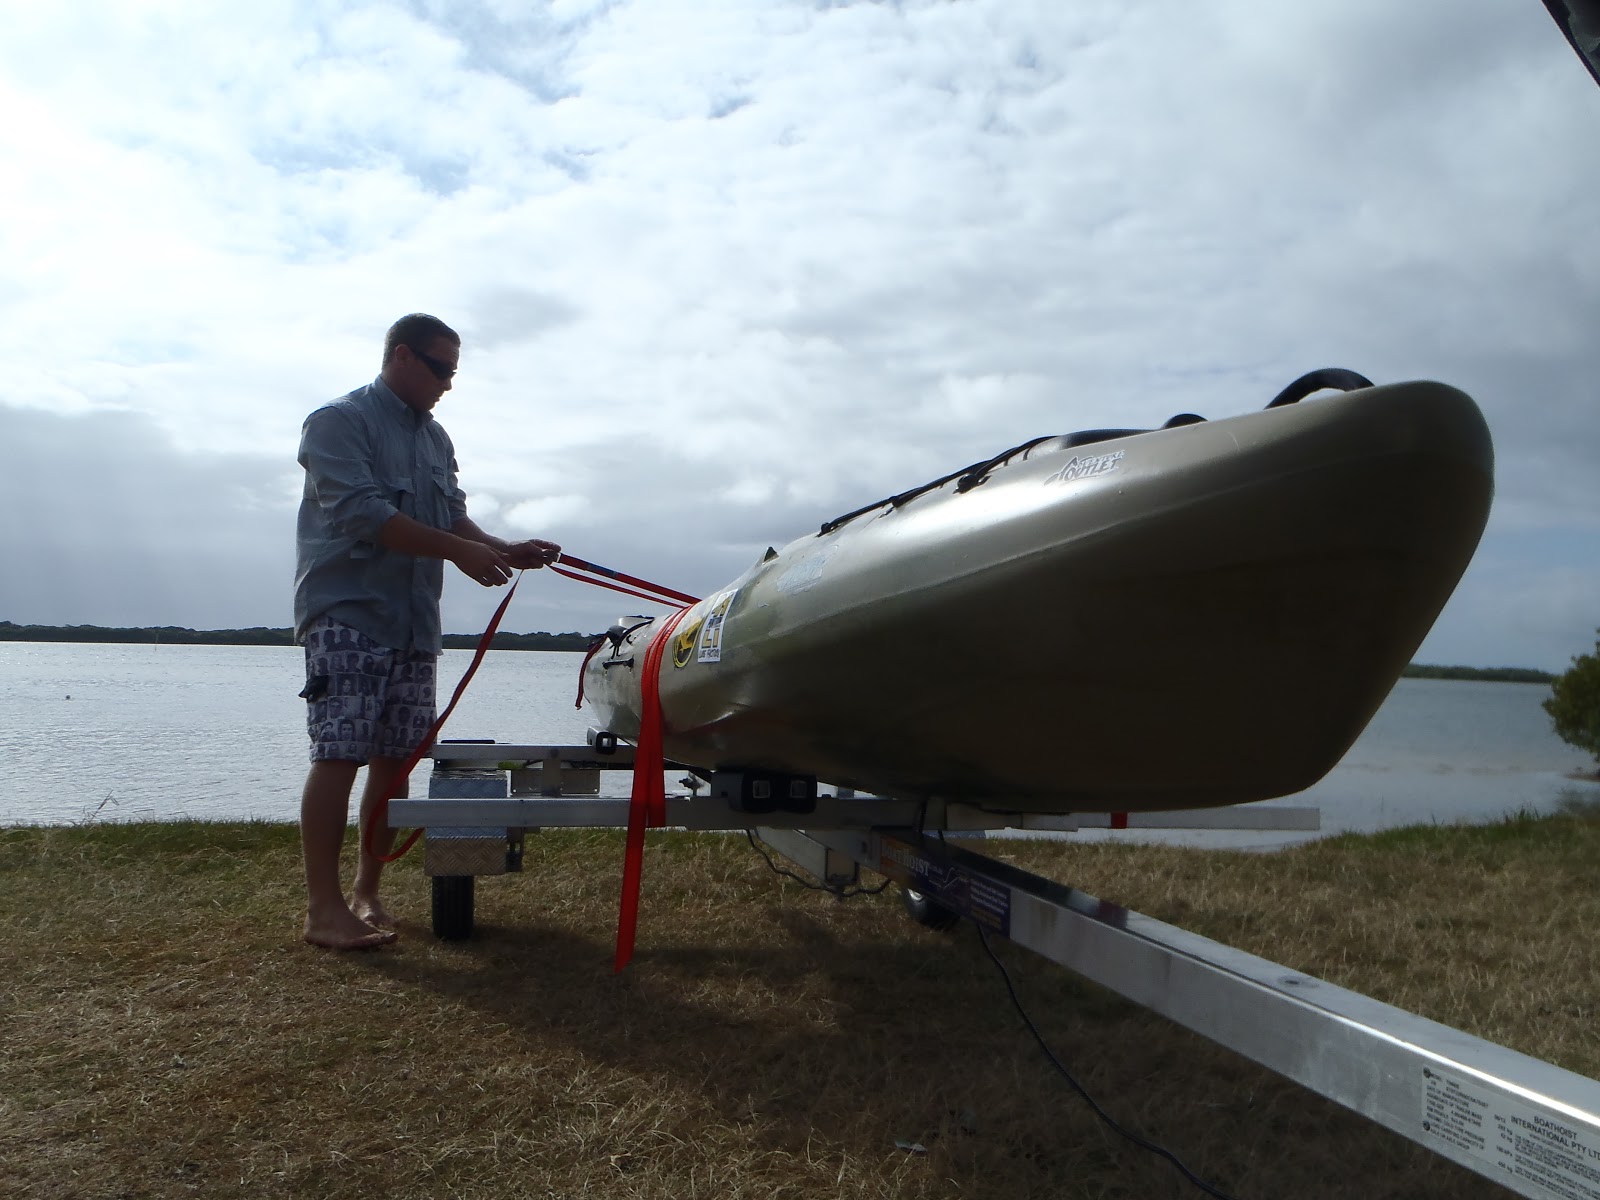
(1516, 608)
(723, 278)
(530, 516)
(108, 523)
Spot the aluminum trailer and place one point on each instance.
(1530, 1126)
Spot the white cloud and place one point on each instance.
(532, 517)
(724, 274)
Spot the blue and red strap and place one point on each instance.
(586, 572)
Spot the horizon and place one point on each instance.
(286, 629)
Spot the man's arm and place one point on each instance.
(533, 553)
(466, 527)
(476, 557)
(337, 454)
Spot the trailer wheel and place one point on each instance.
(452, 907)
(929, 912)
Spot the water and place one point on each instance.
(217, 732)
(1439, 751)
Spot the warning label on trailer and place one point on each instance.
(1527, 1149)
(953, 886)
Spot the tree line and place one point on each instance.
(173, 635)
(259, 635)
(1489, 674)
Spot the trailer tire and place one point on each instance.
(452, 907)
(929, 913)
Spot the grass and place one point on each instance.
(165, 1033)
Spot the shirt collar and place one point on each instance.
(396, 407)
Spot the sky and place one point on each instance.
(725, 270)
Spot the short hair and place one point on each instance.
(416, 330)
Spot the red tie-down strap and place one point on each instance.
(380, 811)
(652, 591)
(648, 806)
(583, 668)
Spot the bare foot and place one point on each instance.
(346, 932)
(372, 912)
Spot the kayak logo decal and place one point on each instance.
(683, 643)
(711, 631)
(1087, 468)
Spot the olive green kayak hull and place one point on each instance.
(1181, 618)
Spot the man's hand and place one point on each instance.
(484, 564)
(533, 553)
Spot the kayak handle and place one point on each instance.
(1315, 381)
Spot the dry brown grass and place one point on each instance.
(165, 1033)
(1489, 928)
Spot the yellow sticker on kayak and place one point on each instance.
(683, 643)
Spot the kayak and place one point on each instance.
(1114, 620)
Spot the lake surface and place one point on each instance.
(143, 732)
(216, 732)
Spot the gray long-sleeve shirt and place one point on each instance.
(369, 456)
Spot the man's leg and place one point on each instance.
(382, 775)
(324, 813)
(405, 719)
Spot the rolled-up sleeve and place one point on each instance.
(338, 463)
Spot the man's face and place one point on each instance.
(415, 377)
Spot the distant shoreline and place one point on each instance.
(1481, 674)
(173, 635)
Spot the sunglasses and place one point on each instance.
(442, 370)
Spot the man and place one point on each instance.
(380, 516)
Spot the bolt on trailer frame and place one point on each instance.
(1530, 1126)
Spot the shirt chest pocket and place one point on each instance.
(436, 493)
(425, 496)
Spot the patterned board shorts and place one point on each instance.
(363, 700)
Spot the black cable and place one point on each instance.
(1142, 1143)
(844, 893)
(983, 937)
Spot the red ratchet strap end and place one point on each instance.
(648, 806)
